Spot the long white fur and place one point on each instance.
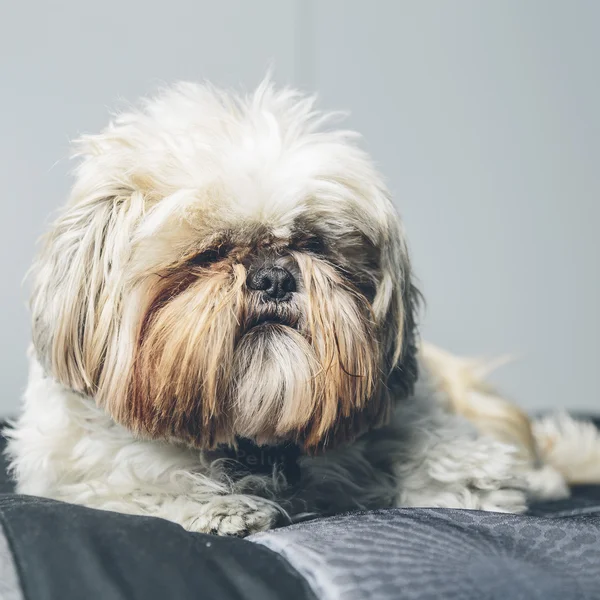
(65, 447)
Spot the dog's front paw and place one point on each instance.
(479, 474)
(496, 481)
(235, 515)
(506, 500)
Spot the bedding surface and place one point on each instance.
(448, 554)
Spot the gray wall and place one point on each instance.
(483, 115)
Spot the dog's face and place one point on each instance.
(224, 268)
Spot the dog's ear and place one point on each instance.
(396, 306)
(73, 300)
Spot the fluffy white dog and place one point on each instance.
(224, 335)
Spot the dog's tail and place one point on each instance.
(571, 446)
(552, 445)
(467, 393)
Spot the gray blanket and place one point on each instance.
(445, 554)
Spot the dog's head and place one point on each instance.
(228, 267)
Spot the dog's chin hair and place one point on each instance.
(315, 384)
(275, 370)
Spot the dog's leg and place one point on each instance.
(426, 457)
(199, 502)
(463, 390)
(64, 447)
(193, 501)
(448, 465)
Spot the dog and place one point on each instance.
(224, 324)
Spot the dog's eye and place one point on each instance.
(313, 245)
(210, 255)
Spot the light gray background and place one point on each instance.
(484, 116)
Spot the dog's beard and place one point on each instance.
(215, 362)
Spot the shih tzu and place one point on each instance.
(224, 335)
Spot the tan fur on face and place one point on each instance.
(201, 376)
(204, 373)
(343, 336)
(180, 374)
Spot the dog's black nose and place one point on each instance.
(276, 282)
